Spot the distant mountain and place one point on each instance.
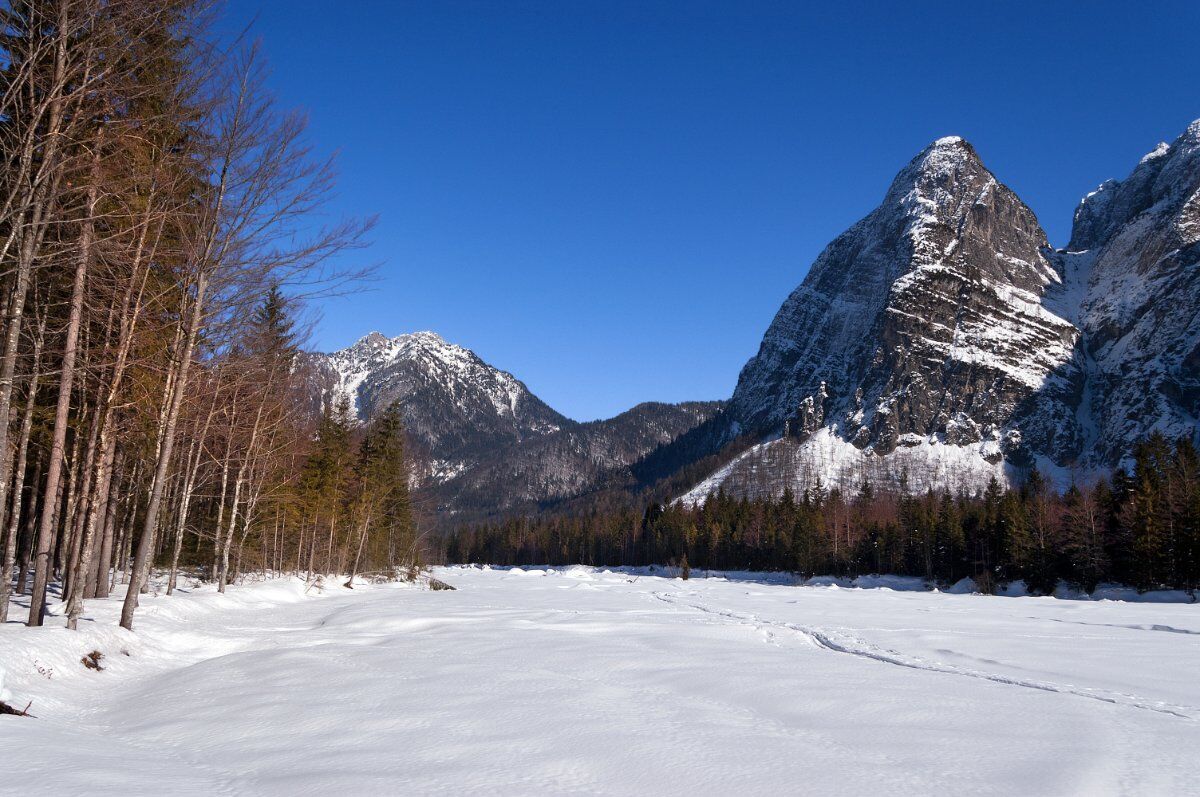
(578, 458)
(938, 343)
(941, 342)
(455, 405)
(484, 443)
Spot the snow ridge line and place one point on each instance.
(822, 639)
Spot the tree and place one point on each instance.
(382, 508)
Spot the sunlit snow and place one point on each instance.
(583, 681)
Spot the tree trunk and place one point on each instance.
(158, 483)
(98, 587)
(45, 539)
(14, 527)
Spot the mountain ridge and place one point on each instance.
(482, 441)
(940, 341)
(937, 343)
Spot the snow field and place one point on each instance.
(575, 680)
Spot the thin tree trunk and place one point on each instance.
(14, 527)
(45, 539)
(36, 502)
(158, 483)
(98, 586)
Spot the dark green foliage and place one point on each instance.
(382, 505)
(1142, 529)
(273, 329)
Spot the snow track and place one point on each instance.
(581, 681)
(840, 642)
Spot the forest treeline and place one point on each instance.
(158, 234)
(1138, 527)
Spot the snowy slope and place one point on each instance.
(483, 442)
(940, 342)
(1139, 244)
(827, 460)
(590, 682)
(439, 385)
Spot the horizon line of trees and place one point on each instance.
(160, 229)
(1139, 527)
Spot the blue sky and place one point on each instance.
(611, 199)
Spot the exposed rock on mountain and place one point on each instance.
(1135, 254)
(940, 342)
(484, 442)
(453, 403)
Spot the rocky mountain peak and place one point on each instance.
(939, 342)
(943, 281)
(483, 441)
(945, 158)
(1169, 173)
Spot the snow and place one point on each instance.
(448, 363)
(606, 682)
(1161, 149)
(826, 458)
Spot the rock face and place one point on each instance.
(1135, 253)
(940, 341)
(482, 441)
(925, 318)
(453, 403)
(576, 459)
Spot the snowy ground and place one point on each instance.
(577, 681)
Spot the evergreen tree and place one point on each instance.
(382, 508)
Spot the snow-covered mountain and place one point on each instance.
(940, 341)
(937, 343)
(482, 441)
(1135, 255)
(453, 403)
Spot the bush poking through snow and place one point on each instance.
(685, 572)
(16, 712)
(92, 660)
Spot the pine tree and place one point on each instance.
(324, 480)
(382, 507)
(1147, 515)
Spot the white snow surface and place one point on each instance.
(585, 681)
(920, 463)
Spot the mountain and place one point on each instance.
(483, 442)
(1135, 256)
(576, 459)
(941, 342)
(455, 406)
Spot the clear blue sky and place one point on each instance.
(611, 199)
